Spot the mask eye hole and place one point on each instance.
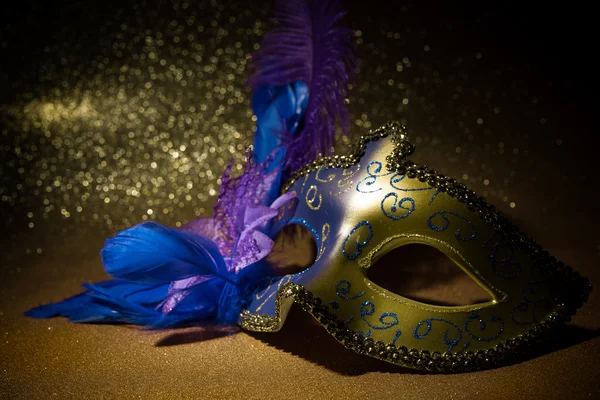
(425, 274)
(294, 250)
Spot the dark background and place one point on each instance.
(500, 95)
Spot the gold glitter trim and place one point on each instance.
(507, 351)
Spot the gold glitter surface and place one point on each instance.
(116, 112)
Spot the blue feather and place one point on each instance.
(84, 307)
(152, 254)
(111, 308)
(146, 259)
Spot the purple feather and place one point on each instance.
(307, 44)
(236, 194)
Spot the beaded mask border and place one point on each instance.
(503, 353)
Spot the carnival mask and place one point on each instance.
(361, 206)
(357, 207)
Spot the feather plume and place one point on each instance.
(151, 254)
(307, 44)
(137, 303)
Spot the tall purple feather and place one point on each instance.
(307, 44)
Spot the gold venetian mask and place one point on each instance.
(361, 206)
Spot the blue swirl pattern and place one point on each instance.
(371, 177)
(397, 178)
(397, 204)
(457, 233)
(483, 326)
(428, 322)
(533, 298)
(342, 288)
(396, 336)
(507, 261)
(367, 309)
(359, 244)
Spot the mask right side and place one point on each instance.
(404, 203)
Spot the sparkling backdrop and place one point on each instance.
(116, 112)
(132, 112)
